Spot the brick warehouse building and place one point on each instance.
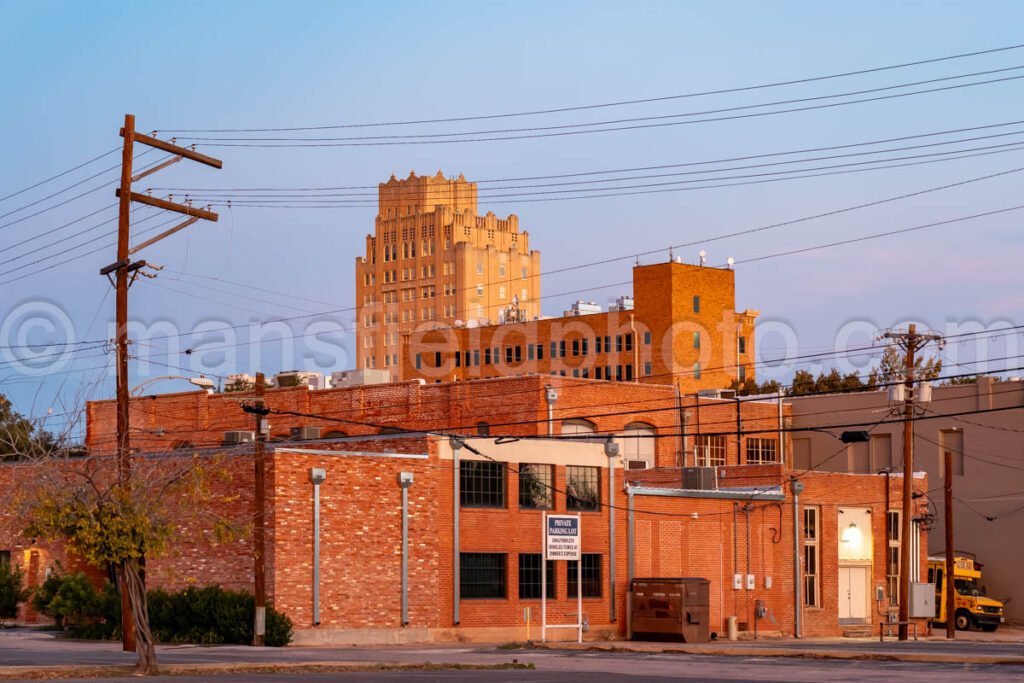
(742, 527)
(499, 534)
(683, 329)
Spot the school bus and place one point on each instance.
(972, 607)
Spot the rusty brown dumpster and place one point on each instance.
(671, 609)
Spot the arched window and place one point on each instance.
(637, 445)
(578, 426)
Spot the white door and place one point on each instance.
(853, 593)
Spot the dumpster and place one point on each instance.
(671, 609)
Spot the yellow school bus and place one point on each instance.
(972, 608)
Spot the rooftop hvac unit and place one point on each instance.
(700, 478)
(238, 437)
(305, 433)
(717, 393)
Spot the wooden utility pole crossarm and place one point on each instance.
(171, 206)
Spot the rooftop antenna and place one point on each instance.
(703, 257)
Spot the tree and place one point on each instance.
(893, 367)
(751, 388)
(11, 591)
(18, 436)
(112, 523)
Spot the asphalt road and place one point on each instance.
(606, 667)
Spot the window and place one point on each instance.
(479, 268)
(696, 304)
(575, 347)
(501, 270)
(482, 429)
(578, 427)
(530, 577)
(583, 346)
(892, 557)
(597, 345)
(481, 575)
(741, 346)
(696, 370)
(629, 342)
(591, 576)
(419, 361)
(479, 290)
(812, 557)
(535, 486)
(524, 273)
(481, 484)
(696, 340)
(501, 292)
(618, 343)
(561, 349)
(529, 352)
(540, 352)
(647, 338)
(648, 368)
(582, 488)
(710, 451)
(637, 444)
(760, 451)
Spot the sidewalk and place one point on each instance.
(25, 653)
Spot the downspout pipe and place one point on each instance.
(456, 444)
(317, 476)
(405, 481)
(611, 449)
(796, 487)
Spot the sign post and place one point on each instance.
(561, 536)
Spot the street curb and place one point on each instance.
(719, 651)
(213, 668)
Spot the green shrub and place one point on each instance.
(208, 615)
(67, 598)
(11, 591)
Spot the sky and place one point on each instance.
(73, 70)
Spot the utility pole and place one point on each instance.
(950, 586)
(258, 535)
(911, 342)
(123, 268)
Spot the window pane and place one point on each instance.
(591, 576)
(582, 488)
(535, 482)
(482, 575)
(482, 484)
(529, 577)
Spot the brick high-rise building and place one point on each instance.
(432, 258)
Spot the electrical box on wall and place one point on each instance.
(922, 600)
(737, 582)
(879, 593)
(751, 583)
(767, 582)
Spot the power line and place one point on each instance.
(619, 103)
(372, 141)
(59, 175)
(327, 203)
(575, 174)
